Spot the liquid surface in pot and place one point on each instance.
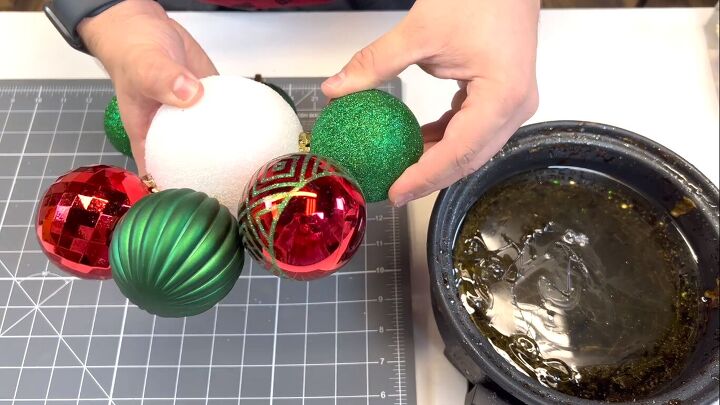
(580, 282)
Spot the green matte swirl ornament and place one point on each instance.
(373, 135)
(176, 253)
(114, 129)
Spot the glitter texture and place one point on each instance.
(373, 135)
(115, 130)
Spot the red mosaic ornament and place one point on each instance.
(78, 214)
(302, 217)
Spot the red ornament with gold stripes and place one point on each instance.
(302, 216)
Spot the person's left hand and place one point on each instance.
(152, 60)
(489, 47)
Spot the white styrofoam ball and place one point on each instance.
(216, 145)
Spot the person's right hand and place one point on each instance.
(151, 59)
(489, 47)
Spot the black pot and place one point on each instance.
(655, 171)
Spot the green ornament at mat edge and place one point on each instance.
(373, 135)
(114, 129)
(176, 253)
(282, 94)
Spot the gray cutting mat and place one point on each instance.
(345, 339)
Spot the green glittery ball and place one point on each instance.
(114, 129)
(373, 135)
(176, 253)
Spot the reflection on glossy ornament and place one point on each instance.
(302, 216)
(78, 214)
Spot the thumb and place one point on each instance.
(161, 78)
(380, 61)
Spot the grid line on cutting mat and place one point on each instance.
(345, 339)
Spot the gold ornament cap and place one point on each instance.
(149, 183)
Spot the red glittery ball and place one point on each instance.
(78, 213)
(302, 216)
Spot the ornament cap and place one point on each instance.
(304, 142)
(149, 183)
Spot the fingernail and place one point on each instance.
(336, 80)
(185, 87)
(402, 200)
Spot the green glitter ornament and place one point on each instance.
(176, 253)
(373, 135)
(114, 129)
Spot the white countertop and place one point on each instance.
(645, 70)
